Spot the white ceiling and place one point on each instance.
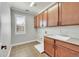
(26, 6)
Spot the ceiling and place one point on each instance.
(39, 6)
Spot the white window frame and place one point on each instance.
(16, 26)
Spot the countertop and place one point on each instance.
(69, 40)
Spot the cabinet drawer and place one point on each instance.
(49, 40)
(68, 45)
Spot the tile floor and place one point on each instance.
(26, 50)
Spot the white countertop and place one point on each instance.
(64, 38)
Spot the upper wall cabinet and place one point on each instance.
(41, 20)
(38, 21)
(35, 22)
(53, 16)
(66, 13)
(69, 13)
(45, 18)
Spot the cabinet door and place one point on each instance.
(45, 18)
(70, 13)
(53, 16)
(35, 22)
(49, 46)
(65, 52)
(41, 20)
(38, 21)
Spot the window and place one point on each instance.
(19, 24)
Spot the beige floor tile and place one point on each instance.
(26, 50)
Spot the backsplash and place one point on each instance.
(72, 31)
(53, 30)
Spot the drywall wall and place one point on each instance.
(30, 33)
(72, 31)
(5, 37)
(0, 26)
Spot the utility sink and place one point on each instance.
(59, 37)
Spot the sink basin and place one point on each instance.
(59, 37)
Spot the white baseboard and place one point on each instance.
(8, 55)
(22, 43)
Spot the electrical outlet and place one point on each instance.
(45, 32)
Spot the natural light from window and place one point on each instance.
(20, 24)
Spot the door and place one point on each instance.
(70, 13)
(53, 15)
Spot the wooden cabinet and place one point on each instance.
(70, 13)
(64, 49)
(48, 17)
(53, 16)
(41, 20)
(57, 48)
(49, 46)
(65, 52)
(66, 13)
(35, 22)
(38, 21)
(68, 45)
(45, 18)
